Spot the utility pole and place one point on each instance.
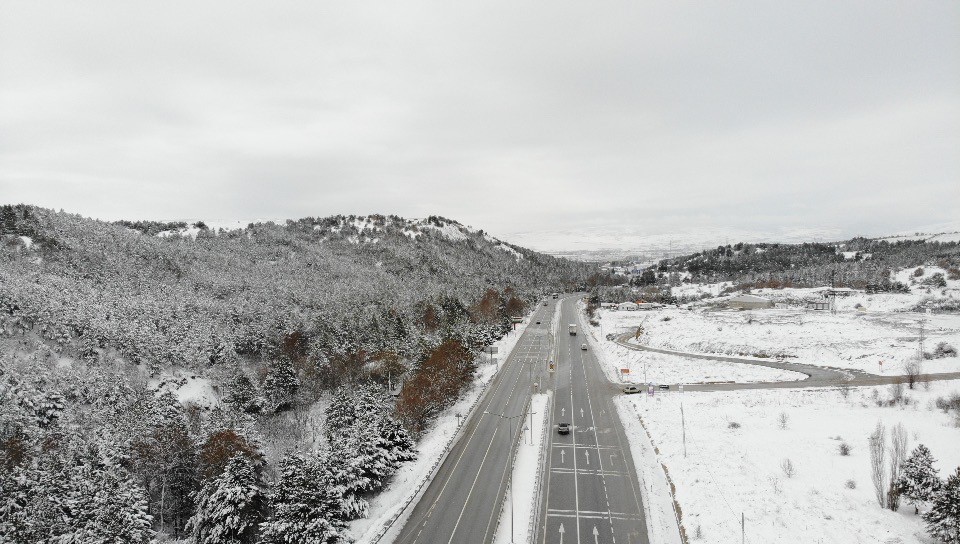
(923, 322)
(683, 426)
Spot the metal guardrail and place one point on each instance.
(415, 496)
(516, 451)
(421, 487)
(538, 486)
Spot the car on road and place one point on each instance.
(544, 303)
(663, 387)
(538, 322)
(583, 347)
(563, 428)
(630, 389)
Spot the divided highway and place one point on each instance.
(462, 503)
(591, 491)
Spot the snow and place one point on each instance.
(27, 241)
(189, 231)
(645, 367)
(728, 471)
(504, 247)
(847, 339)
(525, 479)
(945, 237)
(661, 518)
(388, 510)
(187, 387)
(449, 230)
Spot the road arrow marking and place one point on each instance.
(563, 411)
(561, 533)
(562, 452)
(581, 412)
(587, 453)
(596, 535)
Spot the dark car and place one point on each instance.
(630, 389)
(663, 387)
(538, 322)
(563, 428)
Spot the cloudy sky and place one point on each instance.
(527, 119)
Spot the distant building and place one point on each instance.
(749, 302)
(628, 306)
(818, 305)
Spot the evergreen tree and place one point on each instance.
(243, 395)
(281, 384)
(230, 507)
(943, 518)
(919, 480)
(305, 509)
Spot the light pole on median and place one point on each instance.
(510, 483)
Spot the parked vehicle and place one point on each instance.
(663, 387)
(630, 389)
(563, 428)
(583, 347)
(573, 329)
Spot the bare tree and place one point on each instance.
(898, 454)
(913, 368)
(878, 450)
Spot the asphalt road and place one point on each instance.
(462, 502)
(816, 376)
(591, 491)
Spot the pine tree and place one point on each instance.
(305, 510)
(230, 507)
(943, 518)
(919, 480)
(281, 384)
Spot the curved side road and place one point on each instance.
(817, 376)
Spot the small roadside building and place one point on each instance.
(749, 302)
(632, 306)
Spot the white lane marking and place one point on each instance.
(576, 490)
(593, 419)
(466, 448)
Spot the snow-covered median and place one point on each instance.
(523, 499)
(387, 508)
(738, 445)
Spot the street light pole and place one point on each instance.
(510, 481)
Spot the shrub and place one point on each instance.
(851, 484)
(783, 420)
(733, 425)
(845, 449)
(788, 469)
(918, 272)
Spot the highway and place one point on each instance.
(591, 491)
(462, 503)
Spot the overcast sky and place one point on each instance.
(516, 117)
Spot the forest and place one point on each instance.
(299, 328)
(860, 263)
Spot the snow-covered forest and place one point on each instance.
(859, 263)
(174, 381)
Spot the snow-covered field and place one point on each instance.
(736, 446)
(431, 448)
(846, 339)
(646, 367)
(522, 499)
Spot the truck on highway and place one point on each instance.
(573, 329)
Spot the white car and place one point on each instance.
(583, 347)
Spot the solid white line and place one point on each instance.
(573, 431)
